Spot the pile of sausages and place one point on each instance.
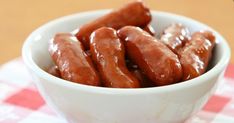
(119, 50)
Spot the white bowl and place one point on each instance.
(86, 104)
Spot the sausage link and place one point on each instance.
(175, 36)
(149, 29)
(73, 63)
(196, 54)
(108, 53)
(154, 58)
(144, 81)
(134, 69)
(53, 70)
(134, 13)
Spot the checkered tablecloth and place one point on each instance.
(20, 101)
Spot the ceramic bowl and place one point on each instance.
(87, 104)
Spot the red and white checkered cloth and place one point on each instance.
(20, 101)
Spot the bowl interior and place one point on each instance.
(37, 43)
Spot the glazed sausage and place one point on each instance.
(74, 65)
(154, 58)
(108, 53)
(53, 70)
(134, 69)
(175, 36)
(144, 81)
(134, 13)
(88, 53)
(196, 54)
(149, 29)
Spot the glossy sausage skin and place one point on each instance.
(154, 58)
(73, 63)
(175, 36)
(144, 81)
(53, 70)
(196, 54)
(134, 13)
(134, 69)
(149, 29)
(108, 53)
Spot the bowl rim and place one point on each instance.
(219, 67)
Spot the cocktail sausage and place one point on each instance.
(154, 58)
(175, 36)
(108, 53)
(196, 54)
(134, 13)
(73, 63)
